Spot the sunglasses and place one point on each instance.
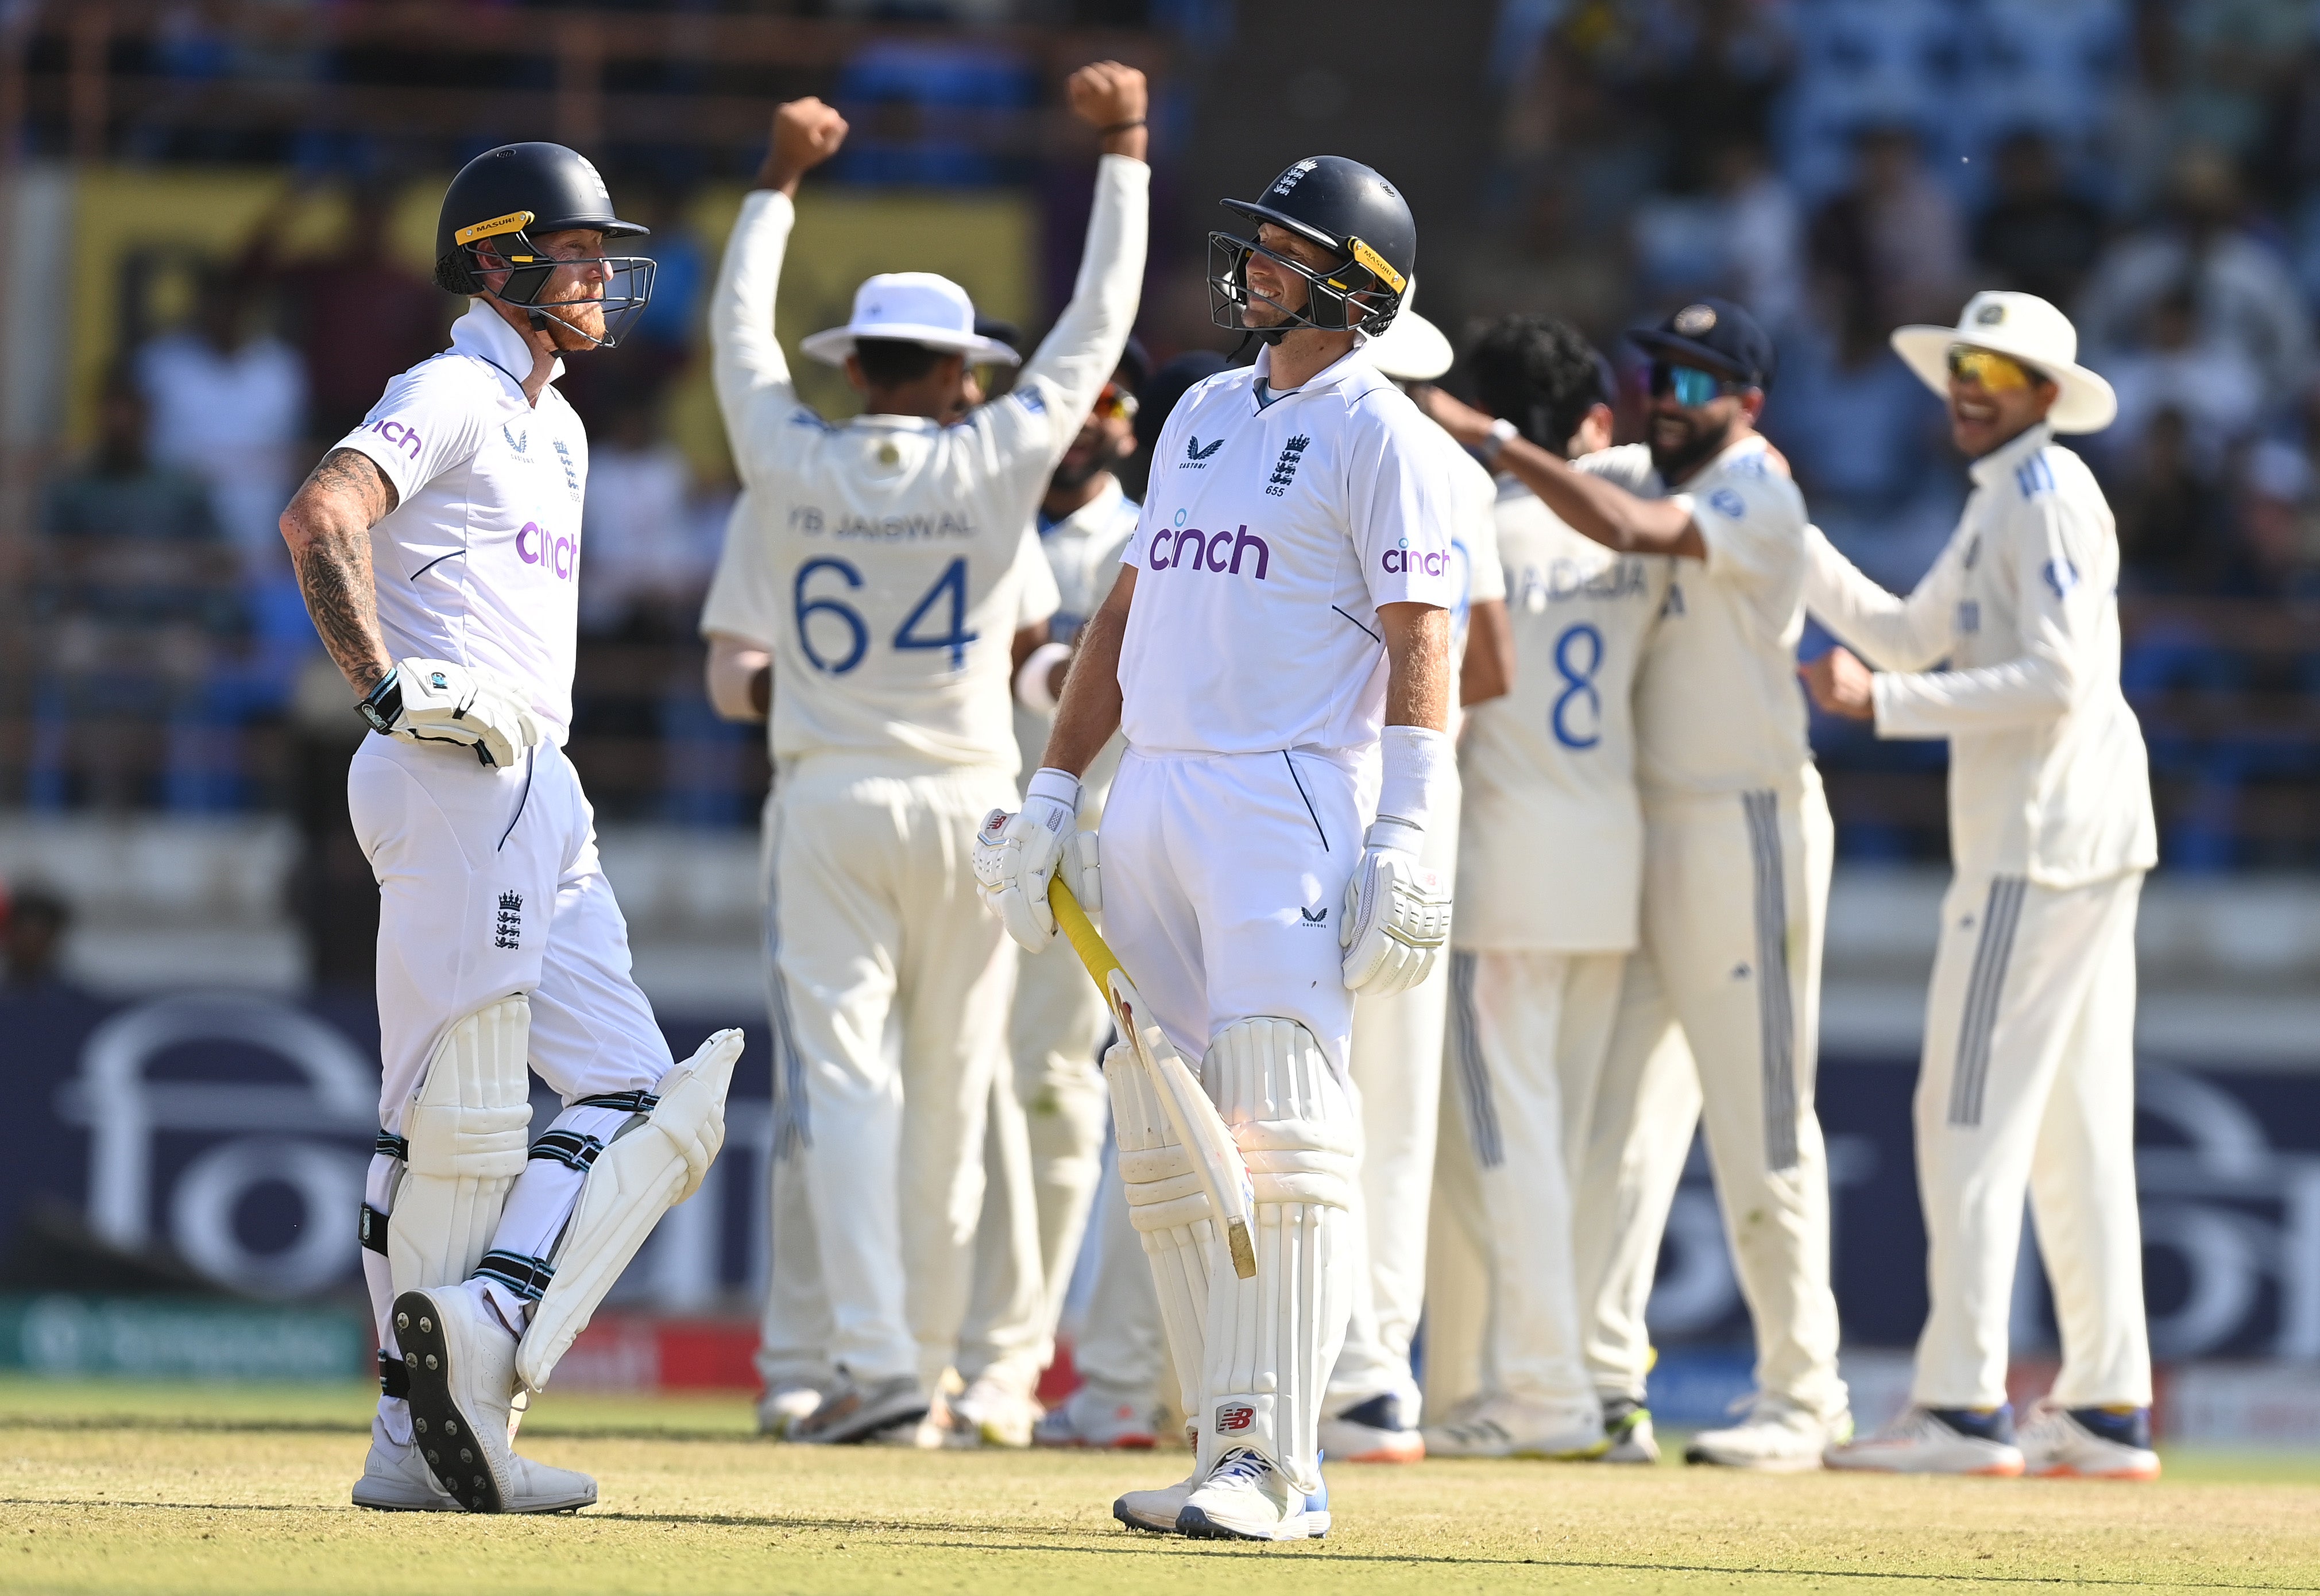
(1115, 403)
(1989, 370)
(1690, 386)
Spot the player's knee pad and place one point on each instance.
(654, 1163)
(1272, 1339)
(462, 1146)
(1170, 1210)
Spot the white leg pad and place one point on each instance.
(1272, 1340)
(1171, 1212)
(650, 1168)
(467, 1137)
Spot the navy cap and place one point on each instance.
(1714, 335)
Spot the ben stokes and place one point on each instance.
(1275, 650)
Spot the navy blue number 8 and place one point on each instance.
(1580, 684)
(806, 606)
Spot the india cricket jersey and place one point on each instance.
(479, 560)
(1274, 527)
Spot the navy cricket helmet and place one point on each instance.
(501, 201)
(1343, 207)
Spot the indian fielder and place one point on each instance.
(1544, 933)
(1374, 1402)
(1275, 650)
(1736, 839)
(878, 598)
(438, 549)
(2027, 1081)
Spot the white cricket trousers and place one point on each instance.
(1397, 1070)
(1735, 896)
(489, 885)
(875, 918)
(1530, 1034)
(2027, 1083)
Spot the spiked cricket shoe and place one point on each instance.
(855, 1412)
(2089, 1443)
(1934, 1441)
(1246, 1497)
(995, 1410)
(1156, 1511)
(1091, 1418)
(1628, 1426)
(462, 1365)
(396, 1480)
(1508, 1427)
(1373, 1432)
(788, 1402)
(1777, 1436)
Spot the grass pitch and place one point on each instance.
(139, 1488)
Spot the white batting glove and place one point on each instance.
(1396, 914)
(437, 701)
(1017, 856)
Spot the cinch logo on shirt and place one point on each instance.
(1406, 562)
(1190, 548)
(396, 433)
(548, 551)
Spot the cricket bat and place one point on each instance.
(1216, 1157)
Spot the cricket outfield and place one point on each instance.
(124, 1487)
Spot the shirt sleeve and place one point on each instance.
(741, 600)
(1892, 633)
(1399, 507)
(1038, 596)
(1628, 464)
(2052, 545)
(1754, 527)
(431, 419)
(751, 374)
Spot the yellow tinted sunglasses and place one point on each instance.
(1987, 369)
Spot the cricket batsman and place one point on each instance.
(2027, 1079)
(876, 604)
(1276, 651)
(438, 549)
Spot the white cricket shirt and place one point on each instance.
(1083, 553)
(2048, 774)
(1473, 551)
(1719, 709)
(887, 563)
(479, 560)
(1551, 838)
(1271, 534)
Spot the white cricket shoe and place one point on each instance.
(395, 1480)
(1246, 1498)
(1157, 1510)
(788, 1402)
(2089, 1444)
(992, 1408)
(1777, 1436)
(1089, 1418)
(1509, 1427)
(1928, 1441)
(854, 1412)
(1628, 1432)
(1372, 1431)
(462, 1365)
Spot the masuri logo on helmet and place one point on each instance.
(1343, 207)
(502, 200)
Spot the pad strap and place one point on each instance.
(394, 1379)
(636, 1102)
(570, 1149)
(392, 1145)
(373, 1230)
(528, 1277)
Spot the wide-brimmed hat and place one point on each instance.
(2024, 327)
(911, 307)
(1413, 349)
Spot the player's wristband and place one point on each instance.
(1501, 430)
(1048, 782)
(382, 706)
(1032, 689)
(1119, 127)
(1418, 769)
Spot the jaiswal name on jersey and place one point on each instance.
(1271, 534)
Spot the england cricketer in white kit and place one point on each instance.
(1737, 837)
(1374, 1403)
(2027, 1080)
(1549, 883)
(1045, 1150)
(438, 547)
(1286, 595)
(884, 589)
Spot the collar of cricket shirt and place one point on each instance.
(2001, 461)
(483, 334)
(1329, 376)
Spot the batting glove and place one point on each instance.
(437, 701)
(1017, 856)
(1396, 914)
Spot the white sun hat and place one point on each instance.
(1413, 349)
(911, 307)
(2028, 329)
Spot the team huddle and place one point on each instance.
(1407, 806)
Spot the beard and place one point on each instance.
(1700, 445)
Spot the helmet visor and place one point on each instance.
(601, 302)
(1347, 295)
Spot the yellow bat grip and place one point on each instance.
(1087, 941)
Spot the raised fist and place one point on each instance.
(806, 133)
(1105, 94)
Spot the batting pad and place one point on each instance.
(648, 1169)
(1271, 1341)
(467, 1134)
(1170, 1210)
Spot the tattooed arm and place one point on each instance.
(328, 528)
